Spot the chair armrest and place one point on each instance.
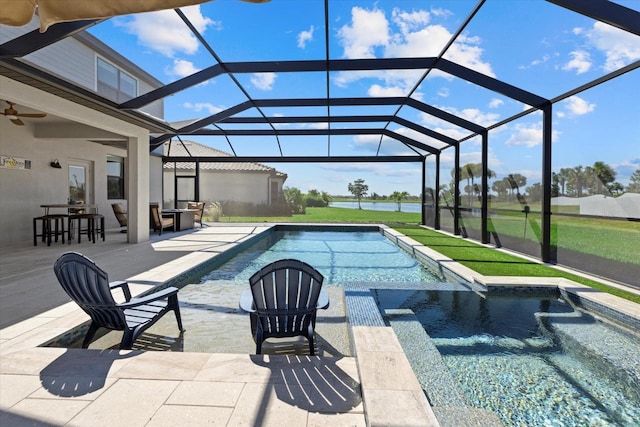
(125, 288)
(323, 300)
(246, 302)
(165, 293)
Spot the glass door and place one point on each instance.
(80, 182)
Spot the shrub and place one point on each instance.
(315, 202)
(213, 211)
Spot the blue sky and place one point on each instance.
(534, 45)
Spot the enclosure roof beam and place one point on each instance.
(605, 11)
(298, 159)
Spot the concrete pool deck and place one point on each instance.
(58, 386)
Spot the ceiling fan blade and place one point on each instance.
(34, 115)
(17, 122)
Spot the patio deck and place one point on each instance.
(66, 386)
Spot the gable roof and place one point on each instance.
(194, 149)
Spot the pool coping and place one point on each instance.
(380, 402)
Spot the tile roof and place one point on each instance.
(191, 148)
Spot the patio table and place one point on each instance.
(183, 218)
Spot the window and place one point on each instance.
(114, 83)
(115, 177)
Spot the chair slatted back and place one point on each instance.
(286, 294)
(199, 206)
(155, 213)
(120, 213)
(88, 285)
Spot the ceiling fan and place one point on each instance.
(14, 116)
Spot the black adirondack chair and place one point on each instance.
(283, 301)
(88, 285)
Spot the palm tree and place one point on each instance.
(634, 182)
(577, 180)
(563, 177)
(516, 181)
(398, 196)
(605, 175)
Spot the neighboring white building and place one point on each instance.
(219, 181)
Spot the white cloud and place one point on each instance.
(577, 106)
(495, 103)
(181, 68)
(380, 169)
(203, 106)
(443, 92)
(369, 29)
(304, 37)
(620, 47)
(370, 34)
(580, 62)
(379, 91)
(410, 21)
(263, 81)
(528, 135)
(164, 31)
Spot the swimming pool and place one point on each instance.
(341, 256)
(531, 360)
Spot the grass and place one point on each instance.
(484, 260)
(336, 215)
(612, 239)
(490, 262)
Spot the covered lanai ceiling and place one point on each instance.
(400, 80)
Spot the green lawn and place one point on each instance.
(485, 261)
(336, 215)
(615, 240)
(490, 262)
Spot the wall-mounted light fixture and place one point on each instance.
(56, 164)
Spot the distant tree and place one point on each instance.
(313, 193)
(295, 200)
(502, 188)
(615, 188)
(398, 196)
(470, 172)
(326, 197)
(375, 196)
(634, 182)
(359, 189)
(555, 185)
(534, 192)
(516, 181)
(577, 181)
(604, 175)
(563, 177)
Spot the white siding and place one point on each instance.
(74, 61)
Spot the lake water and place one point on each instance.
(379, 206)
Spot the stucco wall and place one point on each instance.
(249, 187)
(23, 191)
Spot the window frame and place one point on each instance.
(116, 94)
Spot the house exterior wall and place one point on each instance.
(73, 60)
(23, 191)
(217, 186)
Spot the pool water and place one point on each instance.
(340, 256)
(513, 355)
